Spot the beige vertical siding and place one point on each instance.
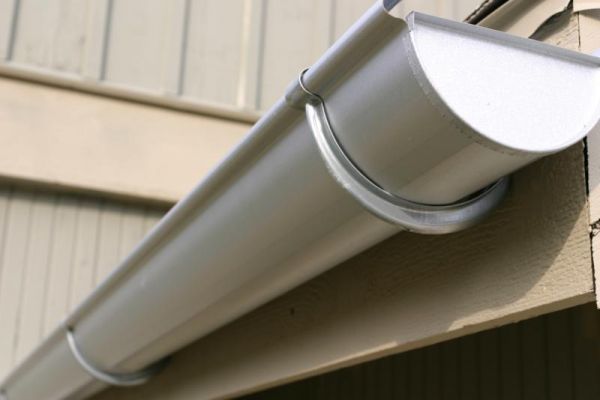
(556, 356)
(240, 54)
(54, 249)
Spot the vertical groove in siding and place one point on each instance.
(260, 56)
(51, 245)
(9, 17)
(60, 262)
(96, 36)
(214, 51)
(555, 356)
(177, 21)
(109, 239)
(251, 58)
(184, 46)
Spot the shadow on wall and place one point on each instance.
(554, 356)
(431, 285)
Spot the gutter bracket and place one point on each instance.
(411, 216)
(113, 378)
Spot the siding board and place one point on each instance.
(252, 54)
(137, 43)
(51, 34)
(8, 10)
(96, 39)
(176, 46)
(60, 262)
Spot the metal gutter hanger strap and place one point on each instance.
(411, 216)
(112, 378)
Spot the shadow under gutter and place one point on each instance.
(403, 124)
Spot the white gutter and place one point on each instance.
(424, 112)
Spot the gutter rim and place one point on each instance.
(447, 112)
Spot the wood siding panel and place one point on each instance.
(52, 247)
(96, 39)
(542, 359)
(51, 34)
(8, 9)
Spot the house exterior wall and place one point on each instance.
(54, 249)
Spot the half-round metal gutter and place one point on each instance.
(400, 125)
